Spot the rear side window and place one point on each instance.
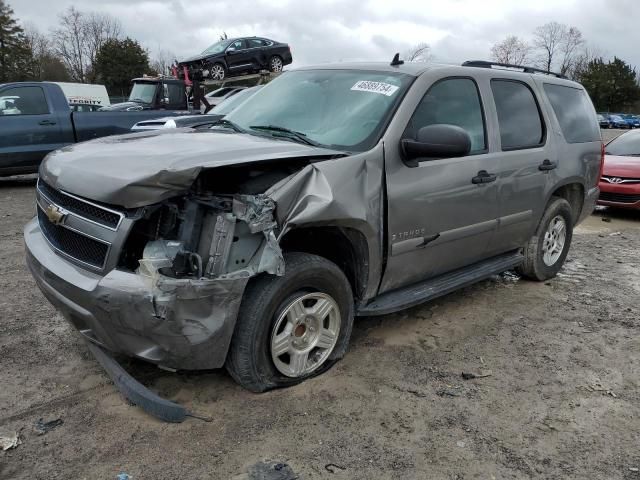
(519, 117)
(454, 101)
(23, 101)
(256, 42)
(574, 113)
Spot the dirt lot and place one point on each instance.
(563, 400)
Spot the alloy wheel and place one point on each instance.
(217, 72)
(276, 64)
(305, 334)
(554, 240)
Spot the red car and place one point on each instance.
(620, 181)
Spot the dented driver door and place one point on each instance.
(441, 213)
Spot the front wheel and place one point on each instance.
(293, 327)
(217, 72)
(546, 250)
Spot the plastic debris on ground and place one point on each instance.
(9, 440)
(43, 427)
(480, 374)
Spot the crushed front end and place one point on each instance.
(161, 282)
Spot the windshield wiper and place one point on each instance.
(223, 122)
(138, 100)
(299, 136)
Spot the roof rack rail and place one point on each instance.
(525, 69)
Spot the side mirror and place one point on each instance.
(231, 50)
(436, 141)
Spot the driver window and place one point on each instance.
(454, 101)
(237, 45)
(23, 101)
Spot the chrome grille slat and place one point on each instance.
(90, 211)
(86, 233)
(84, 249)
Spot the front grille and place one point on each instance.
(619, 197)
(620, 179)
(89, 211)
(73, 244)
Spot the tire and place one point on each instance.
(276, 64)
(539, 262)
(253, 359)
(217, 72)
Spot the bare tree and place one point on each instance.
(548, 39)
(39, 47)
(162, 61)
(98, 28)
(570, 49)
(511, 50)
(420, 52)
(582, 61)
(69, 43)
(79, 38)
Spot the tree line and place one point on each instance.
(86, 47)
(614, 85)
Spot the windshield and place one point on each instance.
(625, 145)
(340, 109)
(231, 103)
(217, 47)
(142, 93)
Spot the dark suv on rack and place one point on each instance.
(335, 191)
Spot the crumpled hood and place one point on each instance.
(199, 56)
(139, 169)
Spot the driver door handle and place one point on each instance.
(547, 165)
(46, 122)
(484, 177)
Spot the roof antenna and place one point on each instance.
(396, 61)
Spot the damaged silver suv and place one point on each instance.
(334, 192)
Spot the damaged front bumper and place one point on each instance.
(177, 323)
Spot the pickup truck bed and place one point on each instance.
(35, 119)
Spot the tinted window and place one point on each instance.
(574, 112)
(518, 115)
(255, 43)
(23, 101)
(455, 102)
(237, 45)
(627, 144)
(176, 94)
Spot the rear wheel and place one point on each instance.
(293, 327)
(546, 250)
(275, 64)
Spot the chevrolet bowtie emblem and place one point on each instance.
(55, 214)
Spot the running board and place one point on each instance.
(436, 287)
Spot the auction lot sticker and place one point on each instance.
(375, 87)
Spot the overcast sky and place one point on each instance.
(331, 30)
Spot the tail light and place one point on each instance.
(602, 150)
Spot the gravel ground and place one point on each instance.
(562, 400)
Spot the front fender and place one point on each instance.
(344, 192)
